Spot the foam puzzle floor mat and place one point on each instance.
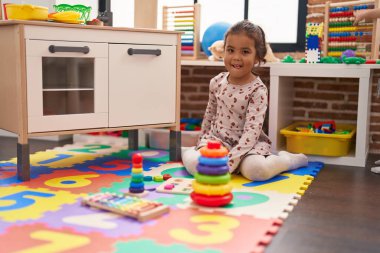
(45, 214)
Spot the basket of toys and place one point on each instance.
(190, 132)
(25, 12)
(82, 9)
(319, 138)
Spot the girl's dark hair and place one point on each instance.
(254, 32)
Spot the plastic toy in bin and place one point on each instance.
(325, 127)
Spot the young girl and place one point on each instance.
(235, 113)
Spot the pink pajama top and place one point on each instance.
(234, 116)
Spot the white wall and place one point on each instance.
(45, 3)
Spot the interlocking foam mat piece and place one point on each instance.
(45, 214)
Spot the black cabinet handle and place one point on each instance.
(156, 52)
(55, 49)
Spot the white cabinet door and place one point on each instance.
(67, 85)
(142, 84)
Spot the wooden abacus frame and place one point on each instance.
(195, 15)
(376, 24)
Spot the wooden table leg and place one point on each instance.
(23, 162)
(175, 146)
(133, 139)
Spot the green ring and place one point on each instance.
(207, 179)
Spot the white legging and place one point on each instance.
(253, 167)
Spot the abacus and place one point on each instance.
(187, 20)
(340, 34)
(133, 207)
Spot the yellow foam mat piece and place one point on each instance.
(18, 203)
(292, 184)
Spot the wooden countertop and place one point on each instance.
(82, 26)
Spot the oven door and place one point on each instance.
(67, 85)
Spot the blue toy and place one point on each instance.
(213, 33)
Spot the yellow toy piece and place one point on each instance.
(212, 190)
(314, 29)
(213, 153)
(137, 170)
(66, 17)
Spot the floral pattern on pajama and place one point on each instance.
(234, 116)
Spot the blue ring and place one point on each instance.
(148, 178)
(136, 185)
(213, 161)
(136, 190)
(212, 170)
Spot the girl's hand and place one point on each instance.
(359, 15)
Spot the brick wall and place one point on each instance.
(314, 98)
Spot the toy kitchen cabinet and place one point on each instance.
(65, 79)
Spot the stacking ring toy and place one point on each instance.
(136, 185)
(137, 170)
(212, 170)
(137, 165)
(137, 177)
(211, 201)
(206, 179)
(158, 178)
(212, 189)
(213, 161)
(136, 190)
(214, 153)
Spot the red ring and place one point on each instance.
(211, 201)
(213, 153)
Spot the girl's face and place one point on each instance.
(240, 57)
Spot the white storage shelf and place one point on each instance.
(281, 104)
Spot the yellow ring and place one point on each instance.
(206, 152)
(137, 170)
(212, 190)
